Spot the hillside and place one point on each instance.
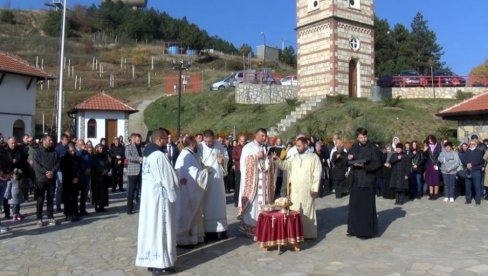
(26, 39)
(412, 119)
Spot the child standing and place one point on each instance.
(14, 194)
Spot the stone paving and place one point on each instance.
(419, 238)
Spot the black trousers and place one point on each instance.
(6, 207)
(70, 198)
(338, 187)
(134, 183)
(237, 186)
(117, 177)
(42, 189)
(84, 187)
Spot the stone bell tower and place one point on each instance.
(335, 47)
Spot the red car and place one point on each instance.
(409, 78)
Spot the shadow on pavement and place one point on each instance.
(387, 217)
(190, 258)
(28, 226)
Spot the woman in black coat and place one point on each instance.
(100, 166)
(70, 168)
(386, 192)
(339, 168)
(400, 170)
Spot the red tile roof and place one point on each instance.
(473, 106)
(102, 101)
(15, 65)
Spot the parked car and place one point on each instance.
(289, 80)
(227, 82)
(409, 78)
(447, 78)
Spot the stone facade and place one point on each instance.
(335, 47)
(247, 93)
(467, 127)
(428, 92)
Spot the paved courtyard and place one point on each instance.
(419, 238)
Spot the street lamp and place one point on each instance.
(264, 50)
(180, 66)
(58, 5)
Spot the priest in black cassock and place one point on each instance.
(364, 160)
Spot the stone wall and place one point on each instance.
(427, 92)
(247, 93)
(468, 127)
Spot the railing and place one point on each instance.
(436, 81)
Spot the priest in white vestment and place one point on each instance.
(304, 170)
(193, 182)
(257, 182)
(156, 241)
(214, 157)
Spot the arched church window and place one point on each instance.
(92, 128)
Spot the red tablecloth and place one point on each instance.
(277, 228)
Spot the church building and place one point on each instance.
(335, 47)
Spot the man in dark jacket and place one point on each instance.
(46, 163)
(117, 156)
(364, 160)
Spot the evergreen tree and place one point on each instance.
(403, 54)
(383, 44)
(424, 42)
(288, 56)
(245, 50)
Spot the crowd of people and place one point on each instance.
(180, 186)
(66, 176)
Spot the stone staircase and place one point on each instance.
(305, 108)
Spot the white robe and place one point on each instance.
(304, 171)
(214, 214)
(189, 212)
(257, 186)
(156, 242)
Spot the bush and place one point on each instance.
(460, 95)
(229, 107)
(292, 103)
(340, 98)
(7, 16)
(259, 108)
(392, 102)
(354, 112)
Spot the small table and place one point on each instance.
(278, 228)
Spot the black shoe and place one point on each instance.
(114, 190)
(122, 190)
(68, 218)
(58, 209)
(84, 213)
(129, 212)
(75, 218)
(467, 202)
(163, 271)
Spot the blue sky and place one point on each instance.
(461, 26)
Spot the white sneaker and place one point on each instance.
(446, 199)
(451, 199)
(3, 229)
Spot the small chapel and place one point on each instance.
(335, 47)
